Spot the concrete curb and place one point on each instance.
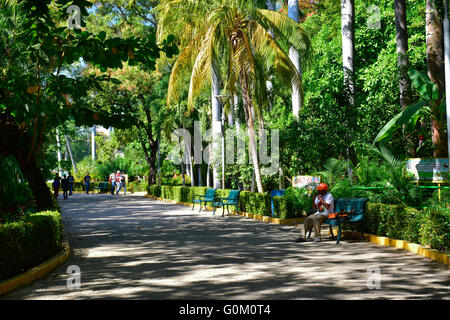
(401, 244)
(36, 272)
(289, 221)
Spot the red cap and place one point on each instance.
(322, 186)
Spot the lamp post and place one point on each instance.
(223, 100)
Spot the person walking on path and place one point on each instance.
(56, 184)
(112, 180)
(87, 182)
(118, 176)
(123, 182)
(71, 180)
(324, 204)
(65, 187)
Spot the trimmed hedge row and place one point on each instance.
(428, 227)
(256, 203)
(28, 242)
(284, 209)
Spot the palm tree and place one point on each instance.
(348, 48)
(233, 34)
(297, 95)
(402, 61)
(348, 55)
(402, 50)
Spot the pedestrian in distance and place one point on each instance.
(71, 180)
(65, 187)
(123, 183)
(112, 180)
(118, 176)
(56, 184)
(87, 182)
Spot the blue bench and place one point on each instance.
(232, 200)
(275, 193)
(348, 211)
(207, 197)
(102, 186)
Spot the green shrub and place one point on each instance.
(429, 227)
(28, 242)
(284, 208)
(434, 229)
(135, 186)
(154, 190)
(257, 203)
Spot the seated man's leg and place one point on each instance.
(307, 225)
(318, 218)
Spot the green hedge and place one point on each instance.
(284, 209)
(429, 227)
(28, 242)
(251, 202)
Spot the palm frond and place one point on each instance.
(285, 27)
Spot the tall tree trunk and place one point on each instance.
(348, 49)
(251, 131)
(158, 164)
(199, 175)
(14, 142)
(58, 145)
(435, 64)
(293, 13)
(402, 51)
(216, 124)
(69, 149)
(237, 121)
(93, 149)
(270, 6)
(402, 62)
(348, 54)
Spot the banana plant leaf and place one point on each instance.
(426, 88)
(408, 117)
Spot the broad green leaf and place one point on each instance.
(401, 119)
(426, 88)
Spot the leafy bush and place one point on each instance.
(28, 242)
(284, 209)
(428, 227)
(434, 229)
(14, 190)
(135, 186)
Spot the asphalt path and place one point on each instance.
(133, 247)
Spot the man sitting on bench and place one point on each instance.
(324, 204)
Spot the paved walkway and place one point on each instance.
(132, 247)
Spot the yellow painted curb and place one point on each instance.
(35, 273)
(402, 244)
(289, 221)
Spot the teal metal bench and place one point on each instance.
(347, 211)
(232, 200)
(207, 197)
(102, 186)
